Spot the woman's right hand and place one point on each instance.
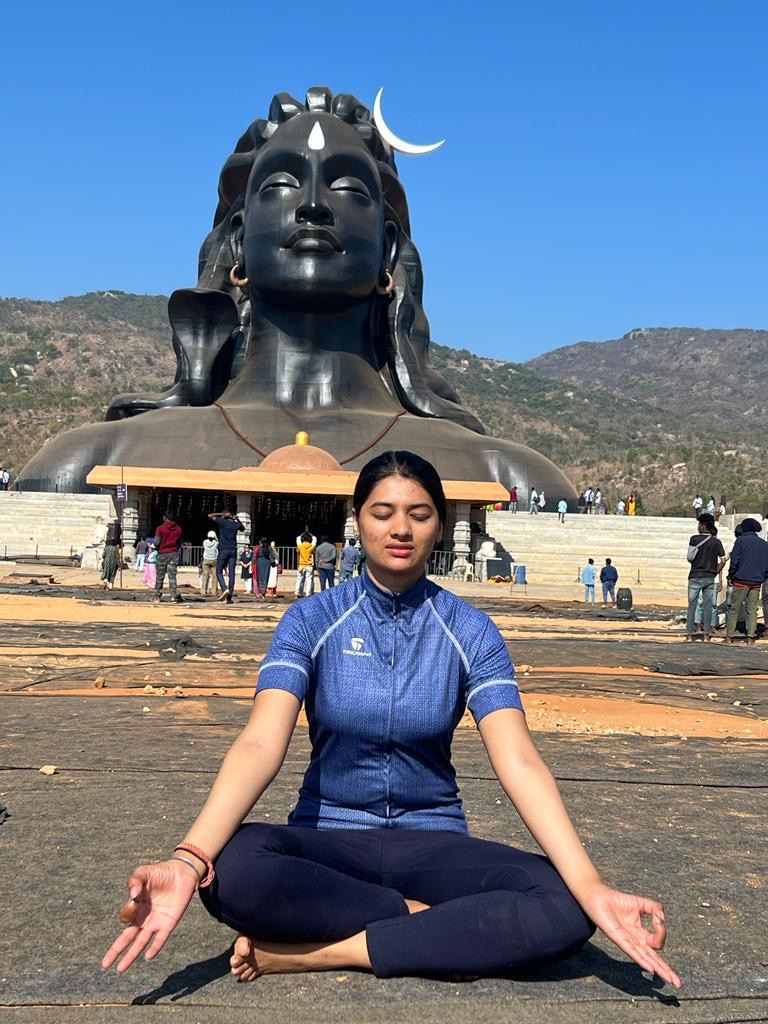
(158, 895)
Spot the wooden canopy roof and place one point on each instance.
(248, 480)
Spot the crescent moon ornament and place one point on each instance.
(409, 148)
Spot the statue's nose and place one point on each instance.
(314, 211)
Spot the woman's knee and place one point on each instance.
(242, 868)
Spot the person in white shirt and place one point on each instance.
(534, 507)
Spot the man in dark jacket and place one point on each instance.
(609, 577)
(747, 572)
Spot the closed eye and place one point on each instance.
(281, 179)
(348, 184)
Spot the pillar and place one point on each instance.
(130, 523)
(349, 523)
(244, 506)
(461, 535)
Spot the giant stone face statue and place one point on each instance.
(307, 315)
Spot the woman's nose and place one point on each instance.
(400, 526)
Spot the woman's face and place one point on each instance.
(398, 527)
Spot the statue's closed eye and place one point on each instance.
(281, 179)
(351, 185)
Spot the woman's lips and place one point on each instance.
(399, 551)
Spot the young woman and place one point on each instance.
(262, 568)
(274, 570)
(375, 869)
(246, 568)
(150, 569)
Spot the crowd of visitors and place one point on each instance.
(158, 557)
(746, 576)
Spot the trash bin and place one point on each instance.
(519, 574)
(624, 599)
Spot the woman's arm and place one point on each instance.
(531, 787)
(159, 894)
(253, 761)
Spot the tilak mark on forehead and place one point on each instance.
(316, 138)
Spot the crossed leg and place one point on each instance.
(395, 902)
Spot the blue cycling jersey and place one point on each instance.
(385, 679)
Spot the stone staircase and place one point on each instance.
(42, 523)
(647, 550)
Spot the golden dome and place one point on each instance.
(300, 457)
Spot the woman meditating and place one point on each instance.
(375, 869)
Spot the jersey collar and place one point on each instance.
(411, 598)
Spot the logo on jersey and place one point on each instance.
(357, 644)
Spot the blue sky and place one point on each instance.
(605, 165)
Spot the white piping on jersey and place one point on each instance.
(338, 622)
(449, 634)
(490, 682)
(285, 664)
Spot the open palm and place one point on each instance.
(158, 895)
(619, 916)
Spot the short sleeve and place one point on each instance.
(287, 664)
(491, 684)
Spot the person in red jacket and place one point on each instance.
(168, 537)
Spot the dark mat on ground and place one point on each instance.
(696, 659)
(543, 609)
(74, 836)
(139, 634)
(193, 736)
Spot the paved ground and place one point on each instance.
(680, 818)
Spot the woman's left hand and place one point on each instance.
(618, 915)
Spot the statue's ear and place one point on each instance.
(391, 238)
(236, 230)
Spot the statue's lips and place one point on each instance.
(313, 240)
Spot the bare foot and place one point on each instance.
(252, 958)
(414, 906)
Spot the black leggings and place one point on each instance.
(493, 907)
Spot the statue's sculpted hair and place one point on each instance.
(405, 347)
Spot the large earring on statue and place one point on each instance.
(238, 282)
(389, 287)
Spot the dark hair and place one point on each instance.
(306, 536)
(708, 520)
(351, 541)
(168, 514)
(607, 561)
(404, 464)
(591, 561)
(324, 538)
(263, 543)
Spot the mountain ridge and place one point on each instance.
(625, 422)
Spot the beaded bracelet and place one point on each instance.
(202, 856)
